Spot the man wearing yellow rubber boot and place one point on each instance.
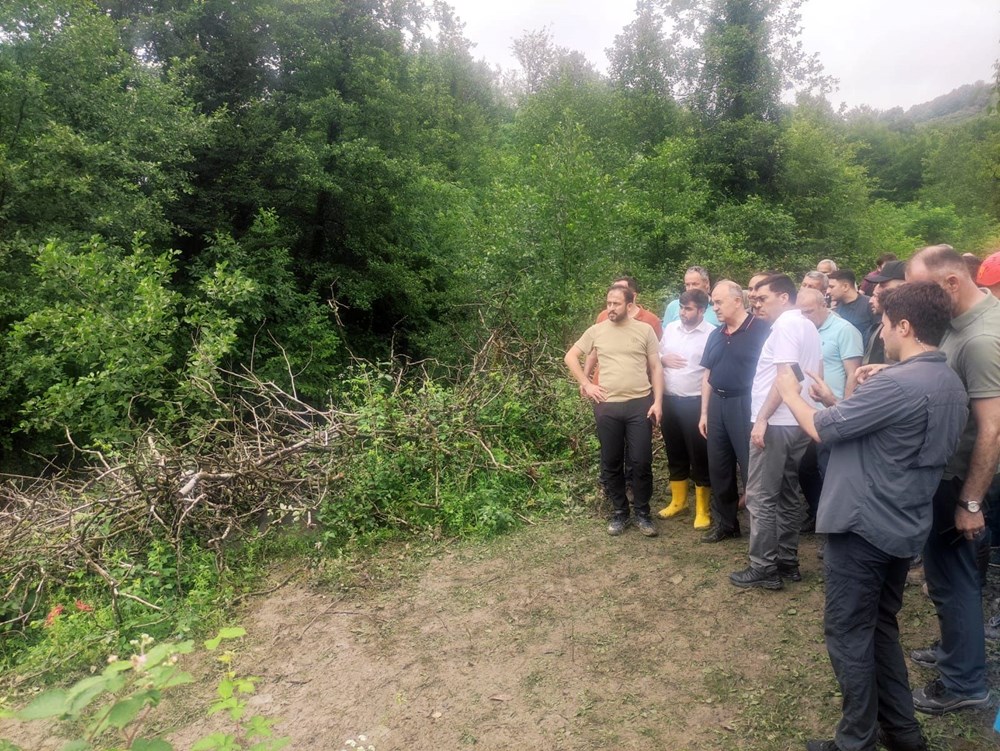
(681, 348)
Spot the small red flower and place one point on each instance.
(53, 614)
(84, 607)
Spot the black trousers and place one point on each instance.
(812, 472)
(618, 424)
(864, 592)
(687, 451)
(728, 447)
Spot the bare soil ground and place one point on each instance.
(555, 637)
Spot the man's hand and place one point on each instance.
(865, 372)
(969, 524)
(595, 392)
(787, 384)
(673, 360)
(759, 428)
(703, 426)
(820, 391)
(655, 413)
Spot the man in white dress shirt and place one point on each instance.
(681, 348)
(777, 443)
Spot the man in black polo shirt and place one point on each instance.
(730, 361)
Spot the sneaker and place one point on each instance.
(894, 744)
(718, 535)
(751, 577)
(646, 526)
(926, 657)
(934, 698)
(822, 746)
(790, 572)
(617, 525)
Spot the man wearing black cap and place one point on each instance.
(892, 274)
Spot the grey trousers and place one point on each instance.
(776, 511)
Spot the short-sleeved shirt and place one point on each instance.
(972, 344)
(859, 313)
(673, 313)
(793, 339)
(732, 357)
(690, 344)
(889, 443)
(840, 341)
(622, 354)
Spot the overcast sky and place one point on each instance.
(886, 53)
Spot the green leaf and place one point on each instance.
(233, 632)
(50, 704)
(214, 742)
(151, 744)
(83, 692)
(124, 711)
(78, 745)
(8, 746)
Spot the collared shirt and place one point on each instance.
(889, 443)
(689, 344)
(972, 344)
(793, 339)
(840, 341)
(732, 357)
(673, 313)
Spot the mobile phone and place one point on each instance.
(798, 372)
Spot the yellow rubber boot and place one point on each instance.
(678, 499)
(702, 507)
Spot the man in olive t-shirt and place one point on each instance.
(627, 399)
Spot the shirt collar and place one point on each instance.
(976, 311)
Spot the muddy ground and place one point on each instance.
(555, 637)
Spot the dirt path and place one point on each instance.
(558, 637)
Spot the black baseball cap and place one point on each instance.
(890, 270)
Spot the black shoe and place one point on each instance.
(646, 526)
(617, 525)
(893, 744)
(716, 534)
(934, 698)
(926, 657)
(790, 573)
(822, 746)
(751, 577)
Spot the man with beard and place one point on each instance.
(629, 396)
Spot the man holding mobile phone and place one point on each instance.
(889, 443)
(777, 443)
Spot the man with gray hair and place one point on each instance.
(816, 280)
(827, 266)
(730, 361)
(694, 278)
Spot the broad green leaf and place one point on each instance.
(50, 704)
(83, 692)
(78, 745)
(8, 746)
(124, 711)
(214, 742)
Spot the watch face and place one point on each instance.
(972, 506)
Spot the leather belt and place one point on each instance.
(730, 393)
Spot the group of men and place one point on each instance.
(884, 409)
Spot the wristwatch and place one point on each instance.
(973, 507)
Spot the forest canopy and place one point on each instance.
(189, 189)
